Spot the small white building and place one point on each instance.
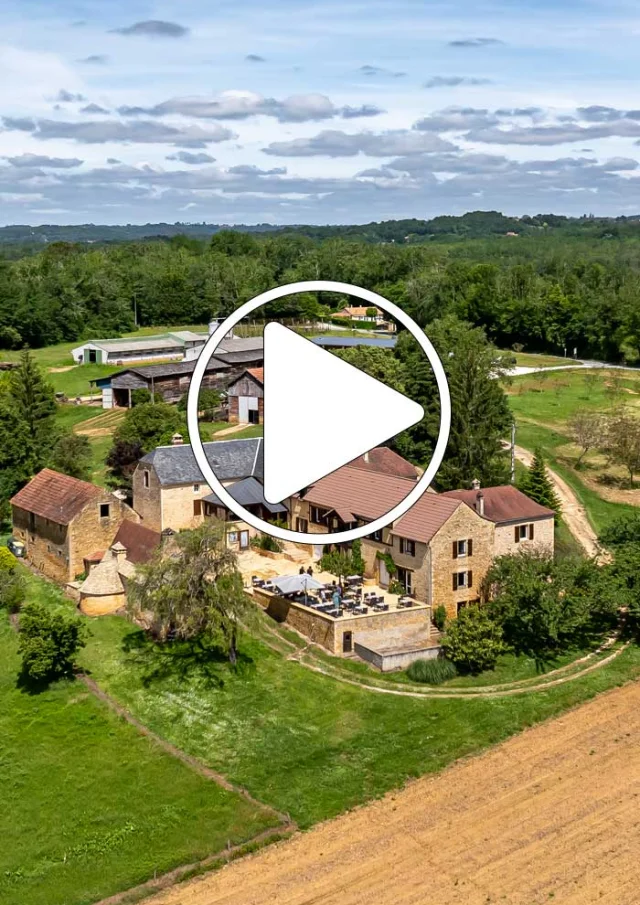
(177, 345)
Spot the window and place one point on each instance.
(462, 548)
(408, 547)
(104, 510)
(196, 488)
(232, 537)
(145, 478)
(317, 515)
(405, 577)
(377, 536)
(302, 525)
(523, 532)
(462, 580)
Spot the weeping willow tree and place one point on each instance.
(194, 591)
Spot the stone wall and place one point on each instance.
(89, 531)
(46, 542)
(102, 606)
(543, 538)
(178, 510)
(462, 525)
(147, 501)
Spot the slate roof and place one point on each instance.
(56, 496)
(139, 541)
(230, 459)
(383, 460)
(425, 518)
(140, 376)
(240, 344)
(248, 492)
(352, 492)
(504, 504)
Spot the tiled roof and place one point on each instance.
(258, 373)
(139, 541)
(56, 496)
(503, 504)
(240, 344)
(353, 490)
(425, 518)
(385, 461)
(230, 459)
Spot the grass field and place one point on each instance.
(533, 360)
(90, 806)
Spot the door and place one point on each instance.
(405, 579)
(347, 642)
(244, 540)
(383, 574)
(245, 405)
(93, 356)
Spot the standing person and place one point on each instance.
(310, 570)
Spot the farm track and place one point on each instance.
(549, 814)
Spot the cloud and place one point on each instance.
(192, 159)
(250, 170)
(453, 119)
(547, 135)
(254, 58)
(100, 132)
(239, 105)
(453, 81)
(95, 59)
(333, 143)
(66, 97)
(41, 160)
(380, 70)
(93, 108)
(475, 42)
(154, 28)
(113, 160)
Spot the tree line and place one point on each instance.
(541, 291)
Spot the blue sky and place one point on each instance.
(322, 112)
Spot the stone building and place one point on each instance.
(61, 520)
(168, 486)
(520, 522)
(246, 397)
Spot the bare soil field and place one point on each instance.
(551, 815)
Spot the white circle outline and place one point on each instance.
(287, 534)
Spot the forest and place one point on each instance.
(538, 284)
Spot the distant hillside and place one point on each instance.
(473, 225)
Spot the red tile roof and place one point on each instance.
(56, 496)
(385, 461)
(353, 491)
(503, 504)
(425, 518)
(258, 373)
(140, 542)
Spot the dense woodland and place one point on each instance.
(557, 283)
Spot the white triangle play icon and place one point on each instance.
(320, 413)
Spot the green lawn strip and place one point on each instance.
(89, 805)
(67, 416)
(100, 447)
(552, 397)
(76, 381)
(600, 511)
(534, 360)
(302, 742)
(254, 430)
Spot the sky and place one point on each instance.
(333, 111)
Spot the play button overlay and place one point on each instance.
(320, 412)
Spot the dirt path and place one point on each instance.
(573, 512)
(551, 814)
(234, 429)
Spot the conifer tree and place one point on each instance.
(538, 486)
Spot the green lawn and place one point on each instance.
(67, 416)
(303, 742)
(89, 806)
(100, 447)
(533, 360)
(75, 382)
(552, 397)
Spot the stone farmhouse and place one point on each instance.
(62, 520)
(169, 490)
(246, 397)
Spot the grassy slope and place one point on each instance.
(543, 407)
(533, 360)
(89, 806)
(309, 745)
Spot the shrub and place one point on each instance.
(48, 643)
(473, 641)
(12, 584)
(266, 542)
(432, 672)
(141, 396)
(439, 617)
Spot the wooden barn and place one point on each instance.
(246, 397)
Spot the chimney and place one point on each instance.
(119, 552)
(366, 457)
(475, 484)
(480, 503)
(213, 325)
(177, 440)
